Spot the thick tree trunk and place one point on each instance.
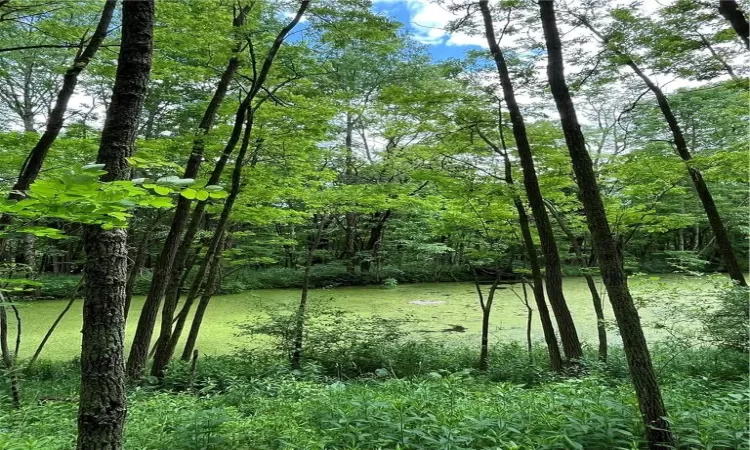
(634, 342)
(723, 242)
(568, 334)
(101, 412)
(732, 13)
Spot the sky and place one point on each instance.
(425, 20)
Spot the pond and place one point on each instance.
(448, 311)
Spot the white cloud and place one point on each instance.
(429, 21)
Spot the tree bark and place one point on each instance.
(732, 13)
(568, 334)
(101, 413)
(723, 242)
(537, 287)
(139, 353)
(634, 342)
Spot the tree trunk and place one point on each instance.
(723, 241)
(139, 354)
(8, 357)
(634, 342)
(166, 260)
(732, 13)
(33, 164)
(568, 334)
(548, 328)
(168, 338)
(212, 283)
(299, 331)
(101, 413)
(601, 327)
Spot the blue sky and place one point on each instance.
(425, 21)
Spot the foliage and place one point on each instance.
(239, 403)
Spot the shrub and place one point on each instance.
(728, 326)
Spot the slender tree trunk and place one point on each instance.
(135, 268)
(299, 331)
(634, 342)
(101, 412)
(33, 164)
(601, 326)
(168, 338)
(723, 241)
(8, 357)
(54, 325)
(732, 13)
(548, 328)
(137, 360)
(568, 334)
(351, 218)
(486, 306)
(166, 260)
(212, 284)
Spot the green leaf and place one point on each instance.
(161, 190)
(188, 193)
(202, 195)
(220, 194)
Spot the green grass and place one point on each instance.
(219, 331)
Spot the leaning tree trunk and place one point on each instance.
(732, 12)
(537, 285)
(596, 299)
(101, 412)
(166, 259)
(168, 340)
(135, 367)
(634, 342)
(212, 284)
(568, 334)
(723, 242)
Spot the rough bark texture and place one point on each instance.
(601, 326)
(634, 342)
(566, 327)
(168, 254)
(101, 412)
(732, 12)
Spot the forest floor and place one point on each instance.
(433, 308)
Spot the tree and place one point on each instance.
(566, 327)
(101, 412)
(681, 147)
(634, 342)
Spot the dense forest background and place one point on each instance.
(187, 149)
